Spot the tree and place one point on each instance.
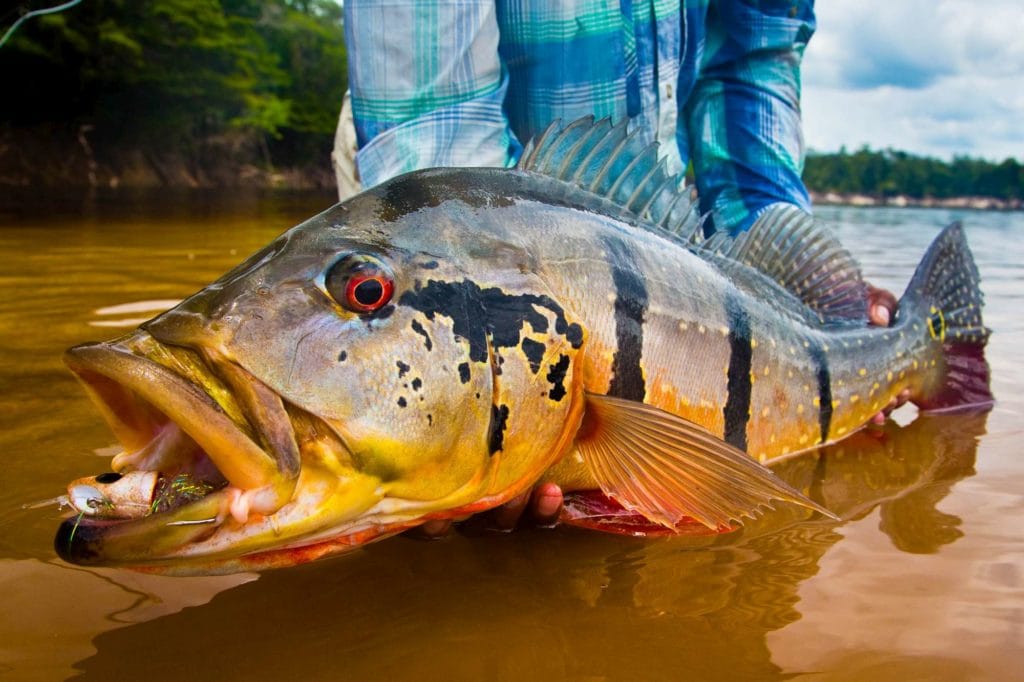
(892, 172)
(169, 72)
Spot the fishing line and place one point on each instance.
(36, 13)
(75, 529)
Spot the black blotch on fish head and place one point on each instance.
(573, 333)
(403, 368)
(406, 195)
(382, 314)
(417, 383)
(482, 315)
(534, 352)
(556, 377)
(464, 372)
(499, 419)
(418, 328)
(401, 401)
(343, 356)
(458, 301)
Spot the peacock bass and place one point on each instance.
(440, 343)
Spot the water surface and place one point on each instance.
(922, 579)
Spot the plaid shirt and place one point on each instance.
(465, 82)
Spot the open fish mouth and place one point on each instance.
(215, 464)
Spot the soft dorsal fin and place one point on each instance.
(667, 469)
(804, 257)
(616, 165)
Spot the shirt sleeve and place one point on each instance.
(743, 116)
(427, 86)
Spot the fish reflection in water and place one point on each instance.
(559, 602)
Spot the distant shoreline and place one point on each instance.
(904, 201)
(61, 156)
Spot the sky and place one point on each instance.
(932, 77)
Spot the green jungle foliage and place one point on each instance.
(890, 173)
(168, 72)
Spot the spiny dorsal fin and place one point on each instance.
(804, 257)
(615, 165)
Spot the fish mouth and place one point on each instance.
(227, 471)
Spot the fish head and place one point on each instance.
(353, 379)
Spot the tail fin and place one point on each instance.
(945, 292)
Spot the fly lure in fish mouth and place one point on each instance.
(442, 342)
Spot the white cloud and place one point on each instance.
(937, 78)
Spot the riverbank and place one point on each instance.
(68, 157)
(62, 156)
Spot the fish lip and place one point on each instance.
(265, 411)
(120, 379)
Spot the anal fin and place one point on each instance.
(593, 510)
(667, 469)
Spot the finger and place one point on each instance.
(507, 515)
(879, 315)
(546, 503)
(882, 306)
(435, 529)
(899, 400)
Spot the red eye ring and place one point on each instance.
(367, 292)
(360, 283)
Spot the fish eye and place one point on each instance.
(360, 283)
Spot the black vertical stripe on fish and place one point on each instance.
(824, 388)
(631, 302)
(738, 384)
(496, 437)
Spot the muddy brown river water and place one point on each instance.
(922, 579)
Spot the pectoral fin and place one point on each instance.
(667, 468)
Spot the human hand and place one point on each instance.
(882, 306)
(544, 504)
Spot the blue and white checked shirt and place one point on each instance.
(465, 82)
